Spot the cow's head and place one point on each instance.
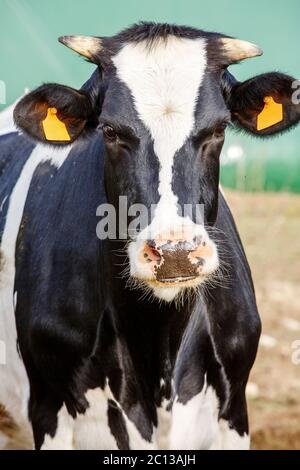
(163, 97)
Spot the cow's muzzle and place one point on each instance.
(176, 260)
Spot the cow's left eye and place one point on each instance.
(109, 133)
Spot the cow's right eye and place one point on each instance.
(109, 133)
(220, 129)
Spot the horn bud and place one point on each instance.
(236, 49)
(87, 46)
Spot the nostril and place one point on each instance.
(155, 255)
(151, 254)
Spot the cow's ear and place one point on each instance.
(55, 114)
(266, 104)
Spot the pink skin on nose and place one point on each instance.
(151, 254)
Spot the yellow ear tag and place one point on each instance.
(54, 129)
(270, 115)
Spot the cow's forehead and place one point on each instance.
(164, 80)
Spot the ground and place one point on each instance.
(269, 226)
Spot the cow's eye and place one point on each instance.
(109, 133)
(220, 129)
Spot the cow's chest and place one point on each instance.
(106, 426)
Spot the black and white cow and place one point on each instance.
(164, 364)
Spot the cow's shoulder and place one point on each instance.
(14, 152)
(56, 260)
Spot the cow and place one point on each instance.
(143, 341)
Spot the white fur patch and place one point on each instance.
(195, 423)
(164, 419)
(91, 430)
(166, 293)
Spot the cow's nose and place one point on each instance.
(176, 260)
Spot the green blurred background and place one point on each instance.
(30, 55)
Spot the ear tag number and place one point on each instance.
(54, 129)
(270, 115)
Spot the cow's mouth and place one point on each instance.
(168, 288)
(176, 280)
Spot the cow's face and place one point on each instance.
(163, 119)
(164, 102)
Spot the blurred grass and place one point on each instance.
(269, 225)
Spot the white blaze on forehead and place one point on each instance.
(164, 81)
